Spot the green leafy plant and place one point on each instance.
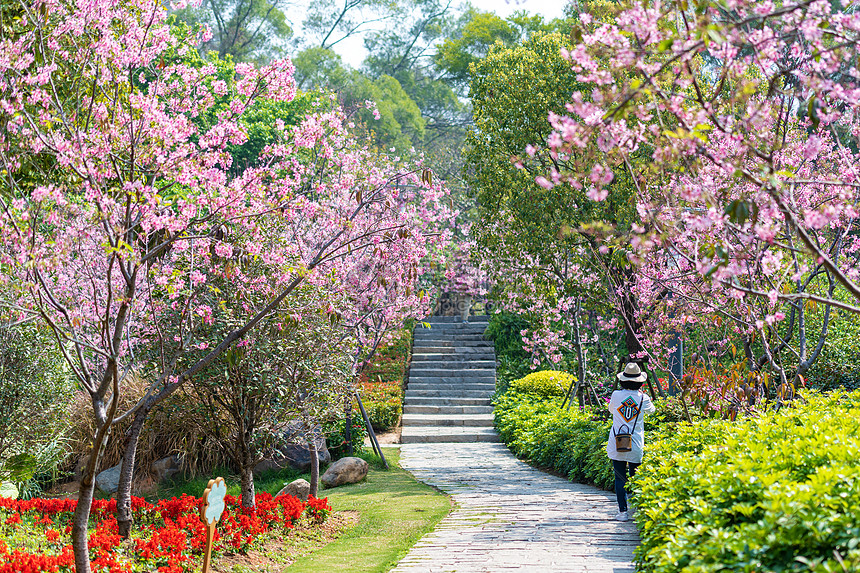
(34, 399)
(545, 383)
(570, 441)
(779, 492)
(335, 432)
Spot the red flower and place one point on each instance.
(170, 536)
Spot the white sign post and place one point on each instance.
(211, 508)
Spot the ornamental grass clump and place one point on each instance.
(779, 492)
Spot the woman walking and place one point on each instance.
(627, 436)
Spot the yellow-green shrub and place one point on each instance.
(545, 383)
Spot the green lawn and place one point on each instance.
(395, 511)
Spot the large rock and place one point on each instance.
(108, 480)
(165, 468)
(299, 488)
(345, 470)
(292, 451)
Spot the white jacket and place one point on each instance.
(624, 405)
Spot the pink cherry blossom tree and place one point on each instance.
(738, 124)
(119, 212)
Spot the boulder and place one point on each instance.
(165, 468)
(81, 466)
(108, 480)
(292, 451)
(344, 471)
(299, 488)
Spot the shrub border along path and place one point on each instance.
(513, 517)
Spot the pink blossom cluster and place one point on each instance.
(737, 127)
(126, 228)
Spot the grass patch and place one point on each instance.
(271, 482)
(395, 511)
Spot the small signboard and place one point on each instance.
(211, 508)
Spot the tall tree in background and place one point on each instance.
(750, 117)
(329, 22)
(247, 30)
(542, 240)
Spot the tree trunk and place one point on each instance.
(628, 313)
(124, 517)
(580, 355)
(81, 519)
(315, 463)
(248, 495)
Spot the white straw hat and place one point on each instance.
(632, 373)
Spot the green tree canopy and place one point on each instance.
(514, 89)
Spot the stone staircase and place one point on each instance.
(451, 381)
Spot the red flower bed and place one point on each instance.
(169, 535)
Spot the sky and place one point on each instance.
(352, 49)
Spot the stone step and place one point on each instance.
(482, 318)
(460, 372)
(445, 330)
(455, 364)
(473, 420)
(446, 401)
(486, 387)
(424, 359)
(453, 379)
(425, 335)
(471, 325)
(460, 346)
(410, 393)
(432, 434)
(467, 352)
(484, 349)
(411, 409)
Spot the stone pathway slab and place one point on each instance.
(512, 517)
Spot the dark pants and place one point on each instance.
(621, 469)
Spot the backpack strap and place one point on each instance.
(642, 401)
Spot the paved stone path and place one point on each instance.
(512, 517)
(508, 516)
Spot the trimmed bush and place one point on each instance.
(545, 383)
(571, 442)
(775, 493)
(382, 382)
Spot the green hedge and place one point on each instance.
(571, 442)
(775, 493)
